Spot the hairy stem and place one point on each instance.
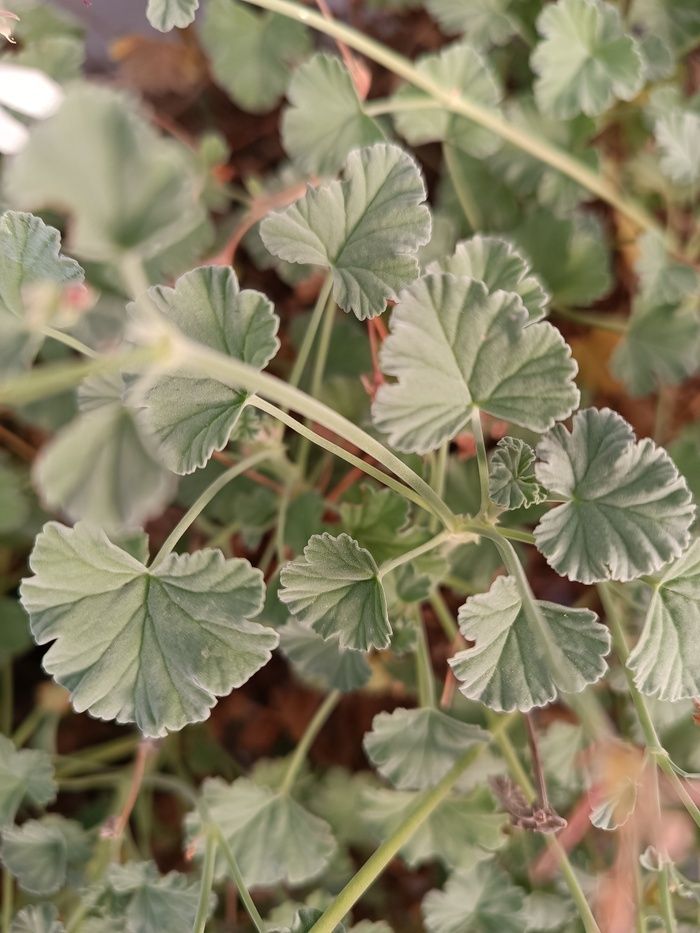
(317, 723)
(310, 334)
(424, 666)
(239, 881)
(481, 459)
(70, 341)
(390, 565)
(444, 616)
(324, 343)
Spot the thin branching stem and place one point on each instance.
(315, 725)
(310, 332)
(207, 881)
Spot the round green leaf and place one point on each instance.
(165, 15)
(415, 748)
(335, 588)
(322, 662)
(191, 417)
(516, 665)
(455, 347)
(43, 854)
(481, 900)
(170, 640)
(486, 22)
(151, 902)
(625, 512)
(366, 229)
(25, 773)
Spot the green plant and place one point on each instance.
(380, 488)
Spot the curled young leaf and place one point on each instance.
(366, 229)
(512, 480)
(170, 640)
(335, 588)
(625, 510)
(515, 664)
(455, 347)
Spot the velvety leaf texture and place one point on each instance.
(165, 15)
(514, 663)
(585, 60)
(366, 229)
(191, 417)
(325, 120)
(335, 588)
(170, 640)
(497, 264)
(678, 138)
(415, 748)
(626, 510)
(480, 900)
(377, 519)
(666, 659)
(454, 347)
(275, 840)
(29, 256)
(512, 480)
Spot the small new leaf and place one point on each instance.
(325, 120)
(512, 480)
(335, 588)
(515, 664)
(586, 60)
(191, 417)
(165, 15)
(24, 774)
(274, 839)
(415, 748)
(480, 900)
(455, 347)
(366, 229)
(625, 512)
(170, 640)
(666, 659)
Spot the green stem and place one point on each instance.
(391, 565)
(98, 755)
(589, 319)
(666, 900)
(207, 882)
(324, 344)
(455, 102)
(311, 330)
(516, 534)
(239, 881)
(651, 737)
(386, 105)
(470, 208)
(8, 697)
(481, 459)
(445, 617)
(424, 666)
(307, 740)
(70, 341)
(8, 894)
(203, 501)
(28, 726)
(387, 851)
(382, 477)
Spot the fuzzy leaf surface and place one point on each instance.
(325, 120)
(252, 53)
(626, 510)
(678, 138)
(37, 918)
(512, 480)
(165, 15)
(191, 417)
(511, 666)
(366, 229)
(666, 658)
(335, 588)
(275, 840)
(585, 60)
(171, 639)
(152, 902)
(415, 748)
(498, 264)
(455, 347)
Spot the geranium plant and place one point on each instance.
(405, 418)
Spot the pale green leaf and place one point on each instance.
(515, 664)
(15, 637)
(570, 255)
(325, 120)
(454, 347)
(415, 748)
(482, 900)
(25, 774)
(191, 417)
(101, 467)
(458, 68)
(366, 229)
(165, 15)
(37, 918)
(625, 512)
(512, 480)
(322, 662)
(483, 22)
(252, 53)
(497, 264)
(678, 138)
(661, 346)
(460, 832)
(151, 902)
(666, 659)
(376, 518)
(14, 504)
(585, 60)
(149, 206)
(170, 639)
(335, 588)
(663, 280)
(45, 854)
(274, 839)
(29, 258)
